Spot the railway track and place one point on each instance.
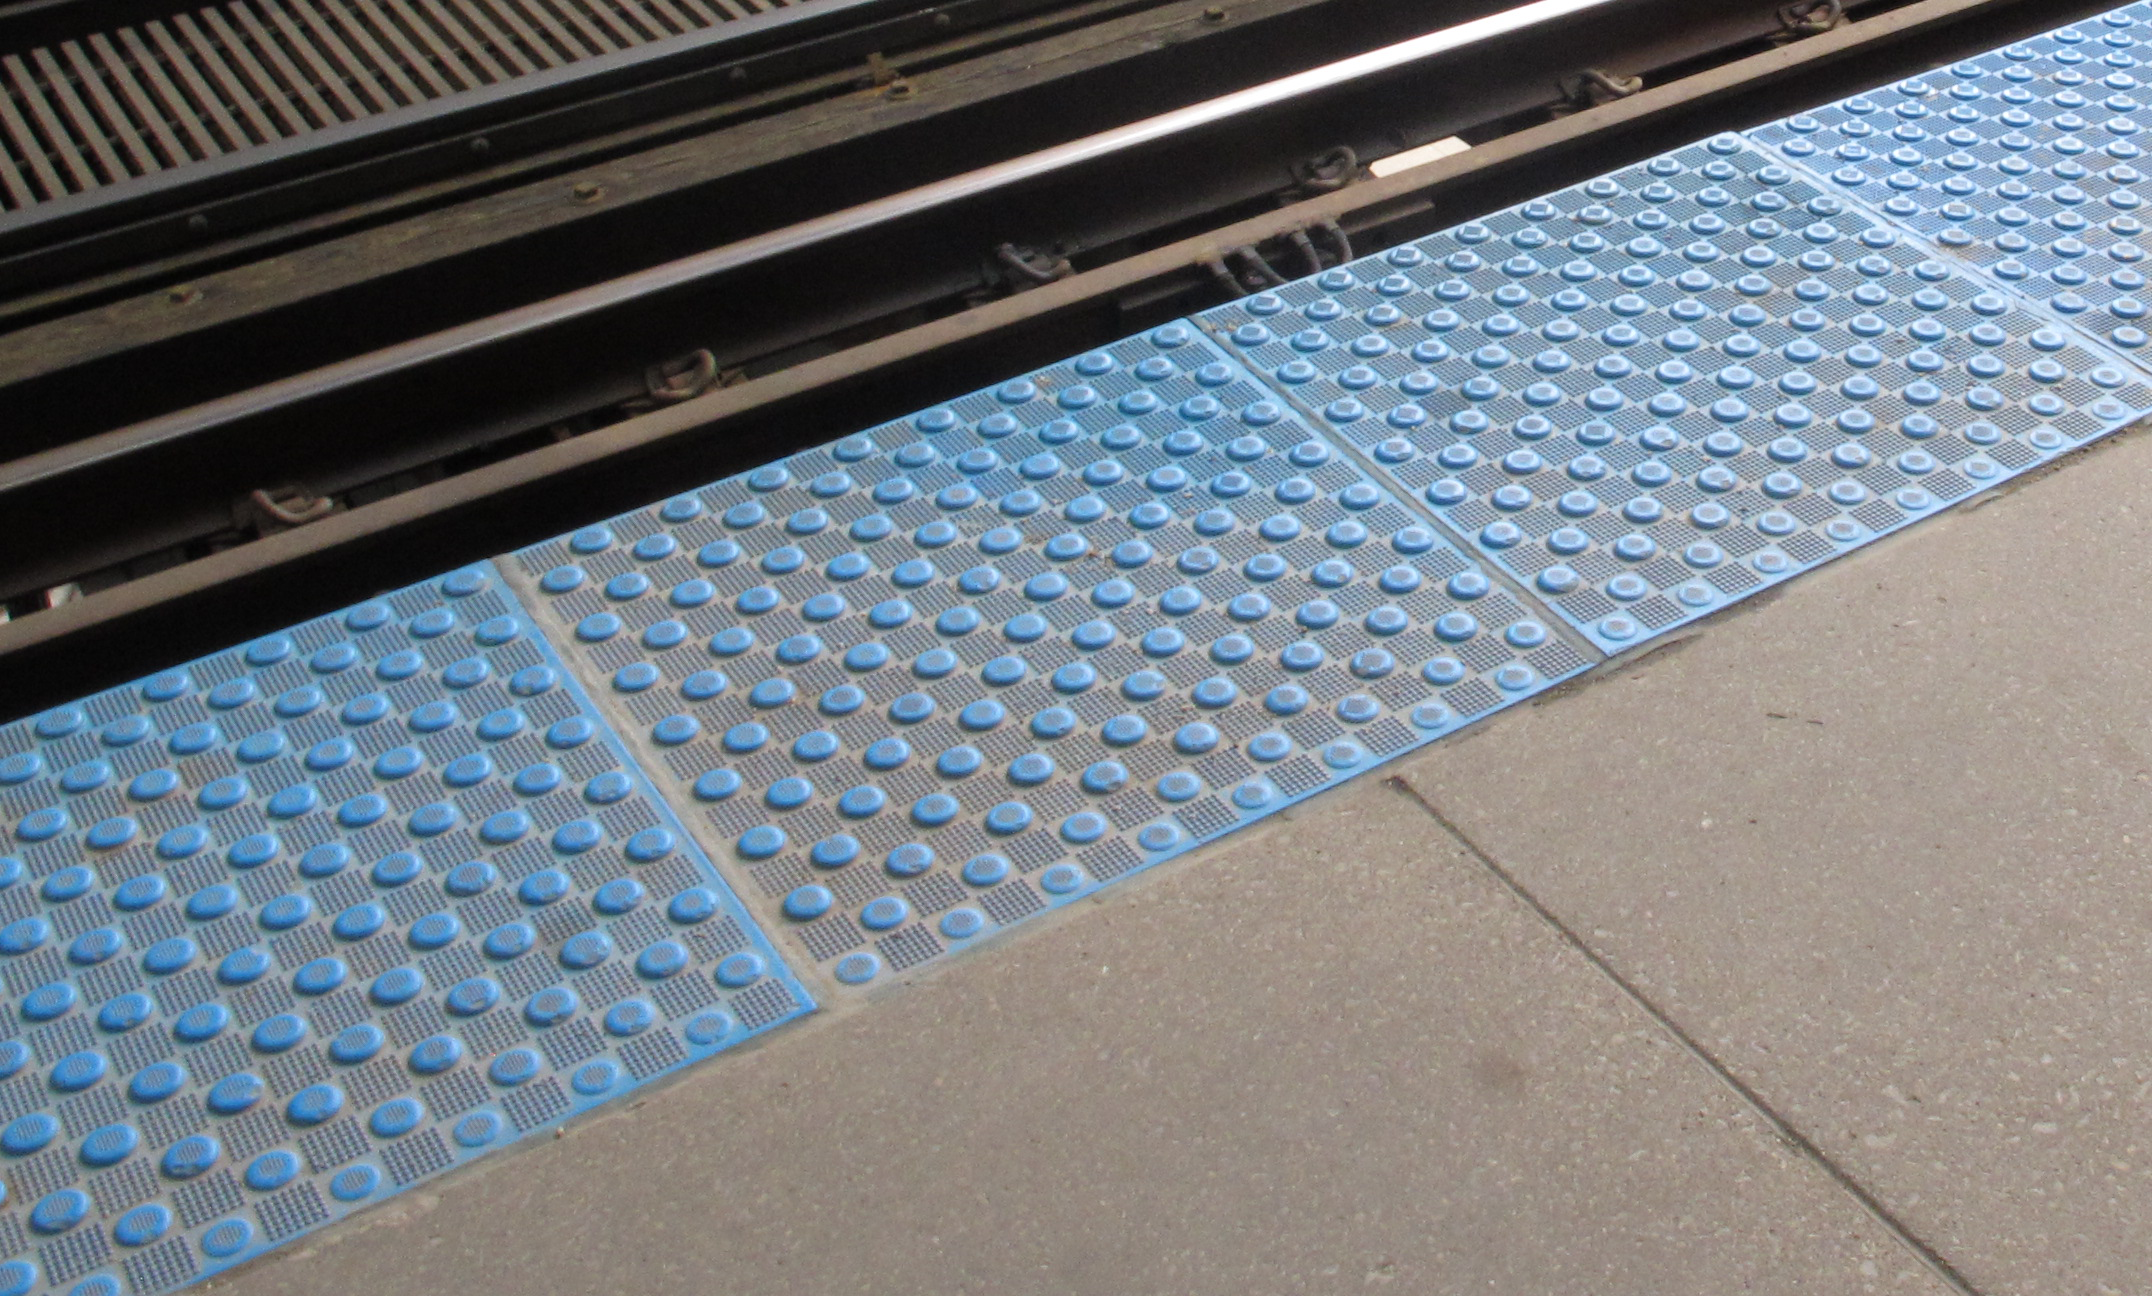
(132, 134)
(489, 427)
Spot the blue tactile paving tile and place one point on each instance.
(1667, 388)
(923, 683)
(292, 927)
(2028, 162)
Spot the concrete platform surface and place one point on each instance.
(1875, 847)
(1330, 1054)
(1806, 952)
(1881, 847)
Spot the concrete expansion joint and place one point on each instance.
(1784, 1129)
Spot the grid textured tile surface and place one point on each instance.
(925, 682)
(1664, 389)
(290, 928)
(2027, 162)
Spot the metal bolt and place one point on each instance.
(480, 144)
(587, 192)
(1214, 14)
(198, 224)
(943, 20)
(183, 294)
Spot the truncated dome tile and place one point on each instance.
(928, 681)
(2028, 162)
(1669, 387)
(290, 928)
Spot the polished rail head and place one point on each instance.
(613, 292)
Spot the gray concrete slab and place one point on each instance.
(1881, 845)
(1331, 1054)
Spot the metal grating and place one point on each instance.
(118, 105)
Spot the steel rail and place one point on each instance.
(43, 234)
(90, 642)
(851, 220)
